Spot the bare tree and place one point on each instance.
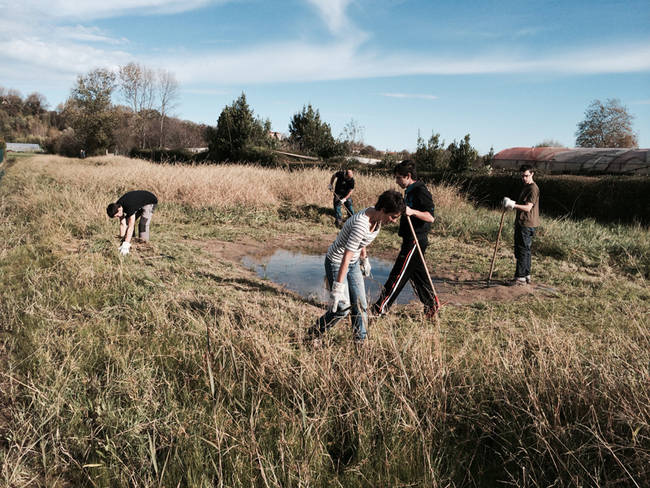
(606, 125)
(167, 98)
(138, 88)
(352, 135)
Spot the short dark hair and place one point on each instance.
(526, 167)
(390, 201)
(405, 167)
(112, 209)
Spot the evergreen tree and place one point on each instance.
(462, 155)
(432, 155)
(311, 135)
(237, 130)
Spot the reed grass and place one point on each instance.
(173, 368)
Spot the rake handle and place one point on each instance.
(496, 246)
(417, 244)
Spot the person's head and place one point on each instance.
(114, 210)
(405, 173)
(527, 173)
(391, 205)
(348, 174)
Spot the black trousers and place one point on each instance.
(408, 267)
(523, 242)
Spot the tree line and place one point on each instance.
(89, 120)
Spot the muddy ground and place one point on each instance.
(452, 287)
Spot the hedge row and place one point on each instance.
(624, 199)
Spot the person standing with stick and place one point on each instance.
(526, 221)
(342, 193)
(414, 226)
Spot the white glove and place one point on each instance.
(338, 295)
(343, 200)
(124, 248)
(364, 264)
(507, 203)
(330, 187)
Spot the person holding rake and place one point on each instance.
(347, 262)
(342, 193)
(414, 224)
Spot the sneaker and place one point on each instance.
(528, 279)
(517, 282)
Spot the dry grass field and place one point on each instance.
(174, 366)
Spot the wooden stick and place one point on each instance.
(417, 244)
(494, 256)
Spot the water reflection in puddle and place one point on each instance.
(305, 274)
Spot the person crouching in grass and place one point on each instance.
(347, 262)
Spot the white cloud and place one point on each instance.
(96, 9)
(86, 34)
(410, 95)
(59, 58)
(333, 13)
(347, 59)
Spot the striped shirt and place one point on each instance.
(354, 235)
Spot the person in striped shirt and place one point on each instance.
(347, 262)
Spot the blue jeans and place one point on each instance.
(523, 241)
(338, 205)
(358, 304)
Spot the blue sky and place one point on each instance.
(509, 73)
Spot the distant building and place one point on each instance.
(278, 136)
(20, 147)
(196, 150)
(582, 160)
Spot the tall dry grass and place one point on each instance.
(174, 368)
(218, 186)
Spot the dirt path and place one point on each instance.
(453, 288)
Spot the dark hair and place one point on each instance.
(390, 201)
(405, 167)
(112, 209)
(526, 167)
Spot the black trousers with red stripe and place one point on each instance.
(408, 267)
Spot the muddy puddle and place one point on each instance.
(305, 274)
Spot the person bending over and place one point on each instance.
(133, 205)
(347, 262)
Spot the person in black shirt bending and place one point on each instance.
(133, 205)
(342, 193)
(409, 266)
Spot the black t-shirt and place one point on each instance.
(343, 185)
(133, 201)
(418, 197)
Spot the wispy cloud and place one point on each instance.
(410, 95)
(333, 13)
(349, 59)
(97, 9)
(86, 34)
(640, 102)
